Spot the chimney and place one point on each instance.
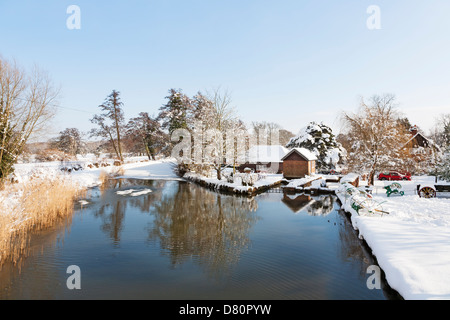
(413, 130)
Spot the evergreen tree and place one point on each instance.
(202, 110)
(319, 139)
(174, 114)
(111, 122)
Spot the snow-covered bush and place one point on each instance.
(443, 167)
(248, 179)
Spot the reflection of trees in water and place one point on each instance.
(144, 203)
(314, 206)
(211, 228)
(189, 221)
(322, 206)
(112, 215)
(112, 211)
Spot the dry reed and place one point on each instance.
(42, 203)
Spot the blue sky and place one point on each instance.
(289, 62)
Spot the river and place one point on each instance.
(155, 239)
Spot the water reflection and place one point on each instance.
(189, 222)
(322, 206)
(314, 206)
(297, 202)
(113, 206)
(212, 229)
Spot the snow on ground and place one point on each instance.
(136, 168)
(148, 170)
(412, 242)
(153, 170)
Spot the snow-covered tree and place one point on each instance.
(441, 131)
(319, 139)
(202, 110)
(175, 113)
(215, 132)
(111, 122)
(375, 136)
(442, 170)
(215, 128)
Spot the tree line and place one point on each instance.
(208, 116)
(375, 137)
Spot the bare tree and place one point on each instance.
(375, 135)
(70, 141)
(224, 112)
(147, 131)
(271, 132)
(441, 133)
(27, 101)
(223, 127)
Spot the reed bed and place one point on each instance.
(34, 206)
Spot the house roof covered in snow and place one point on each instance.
(266, 153)
(305, 153)
(419, 140)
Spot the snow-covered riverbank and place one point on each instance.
(138, 168)
(82, 179)
(412, 242)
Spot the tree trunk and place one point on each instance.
(119, 146)
(147, 151)
(371, 178)
(219, 173)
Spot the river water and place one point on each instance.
(140, 239)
